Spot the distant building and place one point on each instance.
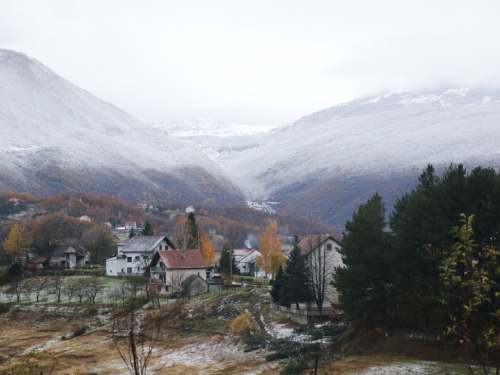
(85, 218)
(134, 255)
(189, 209)
(246, 260)
(170, 270)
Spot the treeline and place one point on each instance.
(51, 220)
(394, 270)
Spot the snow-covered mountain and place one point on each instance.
(326, 164)
(58, 137)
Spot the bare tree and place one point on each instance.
(94, 287)
(70, 289)
(135, 339)
(81, 289)
(320, 267)
(56, 287)
(27, 286)
(183, 234)
(177, 277)
(40, 285)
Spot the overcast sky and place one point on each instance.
(254, 62)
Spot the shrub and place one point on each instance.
(80, 330)
(255, 342)
(16, 269)
(295, 367)
(4, 307)
(243, 324)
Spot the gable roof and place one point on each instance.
(309, 243)
(174, 259)
(143, 244)
(59, 250)
(241, 254)
(192, 278)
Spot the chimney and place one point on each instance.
(183, 253)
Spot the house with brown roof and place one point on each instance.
(170, 269)
(134, 255)
(322, 256)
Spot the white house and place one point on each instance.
(135, 254)
(170, 270)
(322, 257)
(246, 260)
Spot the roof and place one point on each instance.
(175, 259)
(59, 250)
(143, 244)
(241, 254)
(312, 241)
(191, 278)
(41, 260)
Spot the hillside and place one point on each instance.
(195, 337)
(324, 165)
(57, 137)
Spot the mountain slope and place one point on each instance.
(57, 137)
(326, 164)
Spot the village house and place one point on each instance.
(66, 255)
(134, 255)
(171, 270)
(322, 257)
(246, 260)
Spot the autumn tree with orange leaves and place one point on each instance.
(270, 248)
(206, 248)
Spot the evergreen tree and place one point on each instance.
(193, 232)
(361, 282)
(295, 289)
(131, 233)
(277, 286)
(226, 258)
(148, 229)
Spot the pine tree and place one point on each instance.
(295, 289)
(148, 229)
(277, 286)
(361, 282)
(131, 233)
(226, 258)
(193, 232)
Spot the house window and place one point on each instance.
(129, 269)
(160, 247)
(129, 259)
(137, 257)
(329, 247)
(67, 256)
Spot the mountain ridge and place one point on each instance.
(320, 167)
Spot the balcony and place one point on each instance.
(157, 269)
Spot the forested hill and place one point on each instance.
(233, 223)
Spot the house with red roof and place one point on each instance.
(171, 269)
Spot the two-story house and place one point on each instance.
(171, 270)
(320, 252)
(134, 255)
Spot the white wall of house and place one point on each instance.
(175, 276)
(328, 252)
(132, 262)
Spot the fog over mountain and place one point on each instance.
(57, 137)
